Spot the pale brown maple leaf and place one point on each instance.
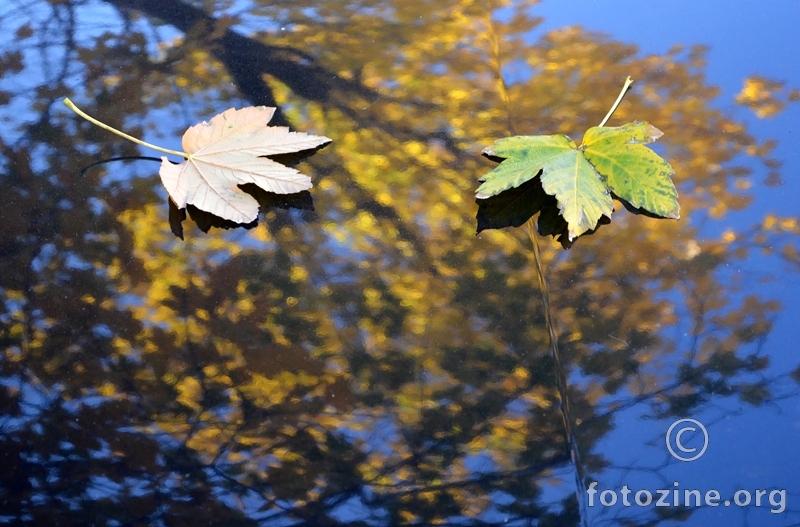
(225, 153)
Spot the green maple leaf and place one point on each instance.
(611, 159)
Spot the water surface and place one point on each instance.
(361, 356)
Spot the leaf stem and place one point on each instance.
(104, 126)
(627, 85)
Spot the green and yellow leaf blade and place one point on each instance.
(524, 156)
(582, 196)
(633, 172)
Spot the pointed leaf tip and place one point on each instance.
(653, 132)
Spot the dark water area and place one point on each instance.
(359, 355)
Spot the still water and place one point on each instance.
(360, 356)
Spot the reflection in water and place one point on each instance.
(374, 361)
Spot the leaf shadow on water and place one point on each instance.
(266, 200)
(513, 207)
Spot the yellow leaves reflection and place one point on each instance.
(189, 393)
(766, 97)
(380, 344)
(776, 224)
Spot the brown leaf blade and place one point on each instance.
(224, 153)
